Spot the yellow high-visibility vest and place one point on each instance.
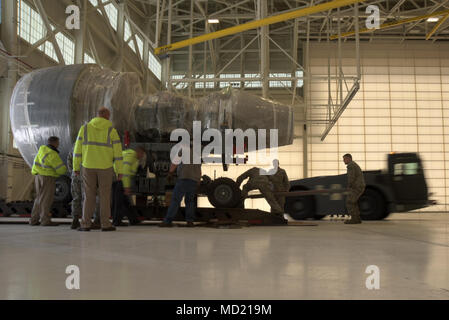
(130, 166)
(48, 163)
(98, 146)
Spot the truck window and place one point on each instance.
(407, 169)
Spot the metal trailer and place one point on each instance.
(223, 193)
(401, 188)
(150, 192)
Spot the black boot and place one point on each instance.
(111, 228)
(354, 220)
(165, 225)
(75, 224)
(50, 224)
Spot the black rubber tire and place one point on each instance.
(316, 217)
(300, 208)
(372, 205)
(63, 192)
(224, 193)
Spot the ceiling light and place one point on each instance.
(213, 21)
(433, 19)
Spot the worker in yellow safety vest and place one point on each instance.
(97, 150)
(121, 190)
(46, 168)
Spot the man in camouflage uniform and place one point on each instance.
(280, 183)
(356, 187)
(263, 184)
(77, 197)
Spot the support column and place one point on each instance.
(118, 64)
(205, 61)
(146, 59)
(295, 59)
(307, 78)
(166, 72)
(190, 71)
(9, 39)
(80, 35)
(7, 83)
(264, 48)
(215, 57)
(340, 66)
(242, 61)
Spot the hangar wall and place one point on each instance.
(17, 180)
(402, 106)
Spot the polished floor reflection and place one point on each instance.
(145, 262)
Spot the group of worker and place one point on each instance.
(100, 168)
(98, 165)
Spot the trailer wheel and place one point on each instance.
(300, 208)
(372, 205)
(63, 190)
(224, 193)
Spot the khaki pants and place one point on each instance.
(77, 200)
(91, 179)
(45, 192)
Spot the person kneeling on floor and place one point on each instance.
(257, 181)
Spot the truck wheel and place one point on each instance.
(63, 190)
(300, 208)
(372, 205)
(224, 193)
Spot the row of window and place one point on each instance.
(237, 84)
(31, 28)
(112, 14)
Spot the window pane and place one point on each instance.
(111, 12)
(225, 84)
(155, 66)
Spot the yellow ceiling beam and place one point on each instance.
(256, 24)
(437, 26)
(392, 24)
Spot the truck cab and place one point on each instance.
(400, 188)
(406, 175)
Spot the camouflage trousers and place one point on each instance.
(352, 205)
(281, 201)
(266, 192)
(77, 199)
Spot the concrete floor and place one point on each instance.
(145, 262)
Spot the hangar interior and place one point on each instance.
(311, 63)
